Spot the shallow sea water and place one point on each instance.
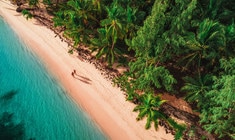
(35, 98)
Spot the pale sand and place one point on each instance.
(104, 103)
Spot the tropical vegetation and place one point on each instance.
(183, 47)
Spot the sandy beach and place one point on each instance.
(96, 95)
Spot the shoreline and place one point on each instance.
(105, 104)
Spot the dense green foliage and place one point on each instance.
(177, 38)
(218, 115)
(102, 25)
(174, 44)
(78, 17)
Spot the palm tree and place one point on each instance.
(79, 18)
(208, 45)
(149, 107)
(196, 88)
(112, 30)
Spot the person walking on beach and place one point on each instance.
(72, 73)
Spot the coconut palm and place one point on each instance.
(112, 30)
(78, 16)
(149, 107)
(196, 88)
(208, 45)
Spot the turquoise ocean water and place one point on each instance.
(35, 99)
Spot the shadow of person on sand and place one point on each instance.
(81, 78)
